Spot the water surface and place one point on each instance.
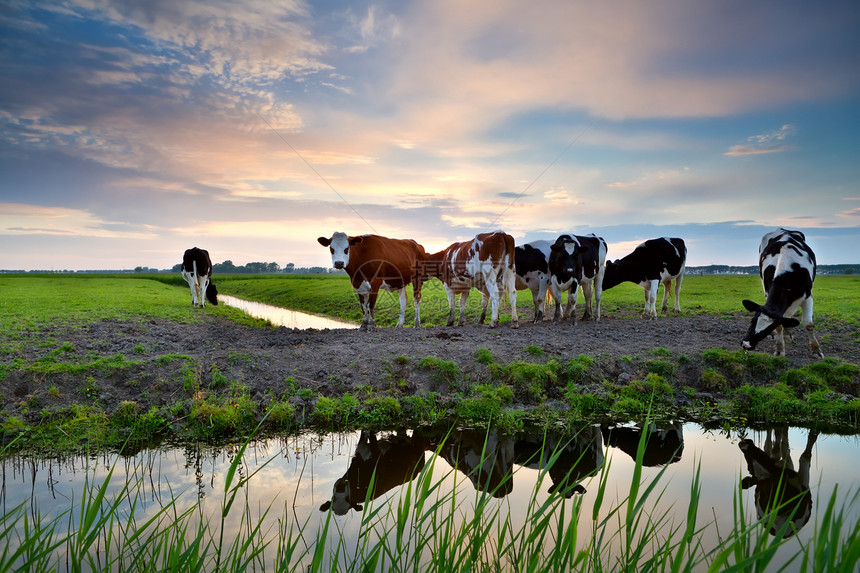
(283, 316)
(305, 477)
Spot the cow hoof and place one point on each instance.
(515, 325)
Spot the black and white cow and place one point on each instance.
(532, 266)
(577, 260)
(197, 271)
(653, 262)
(787, 268)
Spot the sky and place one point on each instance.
(131, 130)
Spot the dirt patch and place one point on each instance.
(334, 362)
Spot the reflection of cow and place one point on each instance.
(664, 443)
(486, 457)
(576, 457)
(777, 485)
(396, 460)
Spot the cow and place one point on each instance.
(787, 268)
(485, 262)
(197, 271)
(532, 267)
(374, 262)
(664, 443)
(778, 487)
(378, 466)
(653, 262)
(577, 260)
(485, 457)
(567, 459)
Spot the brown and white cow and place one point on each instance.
(197, 271)
(486, 262)
(374, 262)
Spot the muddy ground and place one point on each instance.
(333, 362)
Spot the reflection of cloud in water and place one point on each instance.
(283, 316)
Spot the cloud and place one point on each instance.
(771, 142)
(22, 219)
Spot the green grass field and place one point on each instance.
(29, 300)
(835, 297)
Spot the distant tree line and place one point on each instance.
(228, 267)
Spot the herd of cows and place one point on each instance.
(495, 265)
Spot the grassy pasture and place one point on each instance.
(835, 297)
(30, 300)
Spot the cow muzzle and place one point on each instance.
(746, 345)
(338, 264)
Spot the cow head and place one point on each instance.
(212, 293)
(763, 323)
(341, 499)
(565, 258)
(339, 245)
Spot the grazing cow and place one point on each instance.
(390, 462)
(485, 262)
(197, 271)
(568, 459)
(664, 443)
(577, 260)
(777, 485)
(532, 266)
(372, 263)
(653, 262)
(787, 268)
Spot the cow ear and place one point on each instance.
(324, 241)
(354, 241)
(751, 306)
(555, 247)
(324, 507)
(789, 322)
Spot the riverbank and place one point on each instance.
(113, 382)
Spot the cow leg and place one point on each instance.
(678, 280)
(667, 284)
(416, 302)
(204, 284)
(570, 309)
(491, 288)
(556, 294)
(587, 289)
(484, 301)
(464, 298)
(511, 286)
(402, 320)
(192, 282)
(449, 292)
(651, 299)
(779, 337)
(809, 325)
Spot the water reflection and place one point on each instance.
(777, 485)
(283, 316)
(568, 460)
(664, 443)
(376, 467)
(309, 473)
